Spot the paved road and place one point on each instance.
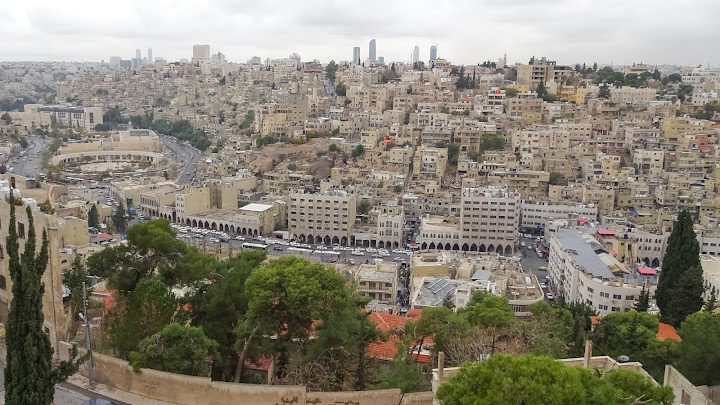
(65, 394)
(182, 154)
(531, 262)
(28, 162)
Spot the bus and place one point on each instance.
(297, 250)
(327, 255)
(249, 245)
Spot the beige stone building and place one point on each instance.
(378, 282)
(489, 219)
(327, 217)
(430, 161)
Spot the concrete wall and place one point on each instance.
(685, 392)
(187, 390)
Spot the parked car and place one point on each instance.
(549, 296)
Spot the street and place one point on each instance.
(65, 394)
(184, 155)
(28, 162)
(530, 261)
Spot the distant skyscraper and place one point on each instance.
(416, 54)
(372, 53)
(381, 59)
(138, 56)
(201, 53)
(356, 55)
(150, 58)
(115, 61)
(433, 52)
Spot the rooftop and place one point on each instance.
(584, 252)
(256, 207)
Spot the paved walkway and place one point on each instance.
(113, 393)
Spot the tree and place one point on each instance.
(681, 255)
(684, 91)
(699, 350)
(555, 178)
(488, 311)
(285, 296)
(119, 220)
(511, 92)
(333, 148)
(363, 207)
(405, 373)
(30, 377)
(93, 219)
(143, 313)
(541, 90)
(218, 305)
(711, 301)
(341, 89)
(7, 118)
(535, 380)
(330, 70)
(493, 142)
(358, 151)
(178, 349)
(643, 302)
(604, 92)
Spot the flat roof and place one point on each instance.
(256, 207)
(584, 254)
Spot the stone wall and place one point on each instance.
(187, 390)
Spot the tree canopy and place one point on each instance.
(699, 350)
(530, 380)
(177, 349)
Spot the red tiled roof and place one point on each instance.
(665, 331)
(262, 364)
(386, 350)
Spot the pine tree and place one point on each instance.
(710, 303)
(604, 91)
(30, 377)
(93, 218)
(681, 256)
(643, 302)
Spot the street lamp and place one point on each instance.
(83, 315)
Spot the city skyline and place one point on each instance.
(639, 31)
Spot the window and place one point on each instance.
(615, 309)
(630, 297)
(3, 283)
(591, 290)
(604, 295)
(21, 230)
(617, 296)
(2, 252)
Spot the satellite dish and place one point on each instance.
(623, 358)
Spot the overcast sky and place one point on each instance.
(568, 31)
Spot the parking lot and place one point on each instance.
(531, 262)
(207, 240)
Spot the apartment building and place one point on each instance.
(327, 217)
(540, 71)
(378, 282)
(430, 161)
(525, 107)
(439, 232)
(61, 233)
(537, 214)
(390, 226)
(489, 219)
(581, 269)
(649, 162)
(627, 95)
(711, 274)
(73, 117)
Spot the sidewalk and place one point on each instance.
(113, 393)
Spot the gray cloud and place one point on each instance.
(569, 31)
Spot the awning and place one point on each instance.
(614, 253)
(605, 232)
(647, 271)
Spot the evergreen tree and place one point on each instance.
(93, 218)
(681, 256)
(119, 218)
(710, 303)
(604, 91)
(30, 377)
(643, 302)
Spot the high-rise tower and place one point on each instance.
(356, 55)
(372, 52)
(433, 52)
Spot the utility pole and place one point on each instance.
(86, 318)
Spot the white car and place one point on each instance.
(549, 296)
(371, 250)
(239, 237)
(357, 253)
